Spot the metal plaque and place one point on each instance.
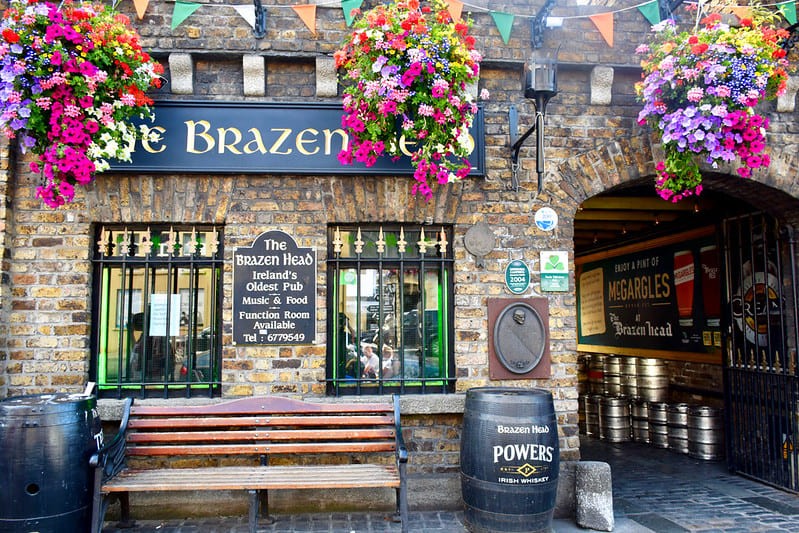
(519, 338)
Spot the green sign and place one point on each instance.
(517, 276)
(555, 271)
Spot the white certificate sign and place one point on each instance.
(158, 315)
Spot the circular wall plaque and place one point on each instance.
(479, 241)
(519, 338)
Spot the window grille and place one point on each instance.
(390, 300)
(156, 311)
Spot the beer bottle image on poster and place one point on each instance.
(662, 298)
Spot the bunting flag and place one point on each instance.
(347, 6)
(141, 7)
(788, 10)
(247, 12)
(504, 22)
(604, 23)
(455, 8)
(308, 15)
(182, 11)
(651, 11)
(742, 12)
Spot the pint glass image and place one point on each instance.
(684, 286)
(711, 284)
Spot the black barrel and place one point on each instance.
(510, 460)
(45, 480)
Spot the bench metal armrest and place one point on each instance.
(402, 451)
(111, 457)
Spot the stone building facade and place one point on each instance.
(593, 144)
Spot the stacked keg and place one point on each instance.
(596, 374)
(677, 427)
(658, 424)
(705, 433)
(612, 375)
(614, 418)
(625, 398)
(629, 377)
(639, 414)
(652, 380)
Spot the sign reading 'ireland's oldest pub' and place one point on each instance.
(274, 291)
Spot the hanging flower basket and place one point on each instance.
(72, 75)
(700, 89)
(406, 69)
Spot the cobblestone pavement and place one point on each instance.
(654, 490)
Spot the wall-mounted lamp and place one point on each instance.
(259, 29)
(540, 84)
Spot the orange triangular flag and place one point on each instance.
(455, 8)
(742, 12)
(308, 16)
(604, 23)
(141, 7)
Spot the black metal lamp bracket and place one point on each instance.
(539, 24)
(260, 20)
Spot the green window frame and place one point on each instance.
(390, 309)
(156, 319)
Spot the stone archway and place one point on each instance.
(633, 158)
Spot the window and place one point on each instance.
(156, 320)
(390, 301)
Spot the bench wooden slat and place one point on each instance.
(259, 421)
(259, 435)
(271, 477)
(255, 449)
(261, 405)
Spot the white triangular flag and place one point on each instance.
(247, 12)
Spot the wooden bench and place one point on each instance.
(281, 442)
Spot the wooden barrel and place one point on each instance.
(46, 481)
(510, 460)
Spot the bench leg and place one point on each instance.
(402, 499)
(253, 510)
(124, 519)
(264, 495)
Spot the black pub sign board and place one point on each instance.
(274, 291)
(268, 138)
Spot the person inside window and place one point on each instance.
(369, 360)
(154, 351)
(388, 361)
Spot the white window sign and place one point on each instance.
(158, 315)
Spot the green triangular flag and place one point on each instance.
(651, 11)
(504, 22)
(788, 10)
(182, 11)
(347, 6)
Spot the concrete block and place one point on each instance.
(254, 70)
(181, 71)
(594, 495)
(787, 102)
(601, 85)
(326, 77)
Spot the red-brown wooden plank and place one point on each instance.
(261, 405)
(210, 421)
(261, 435)
(256, 449)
